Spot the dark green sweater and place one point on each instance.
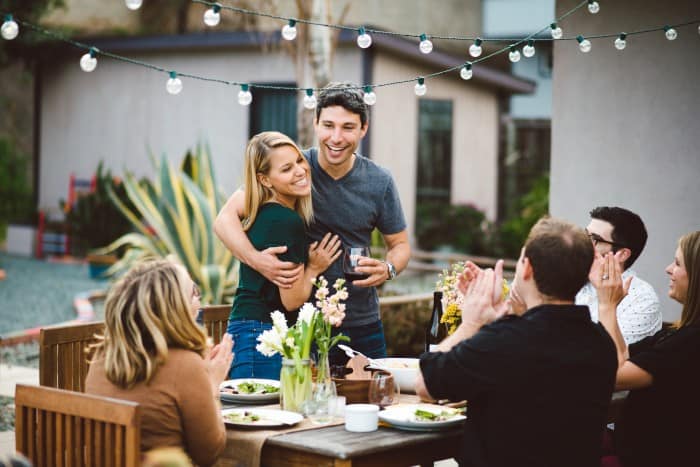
(256, 297)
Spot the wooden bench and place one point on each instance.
(63, 357)
(54, 427)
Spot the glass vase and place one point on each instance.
(295, 384)
(323, 369)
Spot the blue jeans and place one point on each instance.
(247, 361)
(368, 339)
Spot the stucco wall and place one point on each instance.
(118, 111)
(474, 136)
(626, 127)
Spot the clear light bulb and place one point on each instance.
(364, 41)
(289, 31)
(475, 49)
(370, 97)
(529, 49)
(309, 100)
(466, 72)
(245, 97)
(174, 84)
(425, 45)
(593, 7)
(621, 42)
(514, 55)
(671, 34)
(9, 29)
(88, 62)
(133, 4)
(212, 17)
(420, 88)
(584, 45)
(556, 31)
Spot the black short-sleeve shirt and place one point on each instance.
(538, 388)
(275, 225)
(658, 423)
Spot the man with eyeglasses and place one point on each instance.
(618, 229)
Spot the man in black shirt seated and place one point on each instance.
(537, 382)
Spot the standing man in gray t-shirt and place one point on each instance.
(351, 197)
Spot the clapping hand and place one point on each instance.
(219, 361)
(479, 306)
(606, 277)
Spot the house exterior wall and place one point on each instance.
(625, 126)
(474, 135)
(118, 112)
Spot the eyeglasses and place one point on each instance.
(196, 292)
(596, 239)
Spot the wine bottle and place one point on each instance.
(436, 331)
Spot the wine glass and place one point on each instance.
(351, 256)
(382, 389)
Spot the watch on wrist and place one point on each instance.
(391, 269)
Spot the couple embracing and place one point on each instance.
(292, 218)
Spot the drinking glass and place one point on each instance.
(382, 389)
(351, 256)
(320, 408)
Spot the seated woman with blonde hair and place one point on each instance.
(661, 371)
(153, 353)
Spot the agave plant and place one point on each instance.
(174, 217)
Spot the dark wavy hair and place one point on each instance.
(345, 95)
(628, 229)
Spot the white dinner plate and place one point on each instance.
(268, 417)
(255, 398)
(403, 417)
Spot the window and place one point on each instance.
(434, 182)
(274, 110)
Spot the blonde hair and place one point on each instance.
(146, 312)
(257, 161)
(690, 249)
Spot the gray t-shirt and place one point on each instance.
(351, 207)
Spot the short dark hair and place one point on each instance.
(561, 255)
(345, 95)
(628, 229)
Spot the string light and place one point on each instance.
(621, 42)
(529, 49)
(556, 31)
(88, 62)
(475, 49)
(425, 45)
(593, 7)
(671, 34)
(174, 84)
(466, 72)
(514, 54)
(212, 17)
(133, 4)
(244, 95)
(583, 44)
(364, 40)
(420, 88)
(370, 97)
(289, 31)
(9, 29)
(310, 99)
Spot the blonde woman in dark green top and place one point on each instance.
(277, 211)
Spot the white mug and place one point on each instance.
(361, 417)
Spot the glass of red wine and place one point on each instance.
(351, 258)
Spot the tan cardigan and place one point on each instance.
(177, 406)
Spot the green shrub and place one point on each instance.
(464, 227)
(532, 206)
(16, 204)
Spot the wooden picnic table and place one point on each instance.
(334, 446)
